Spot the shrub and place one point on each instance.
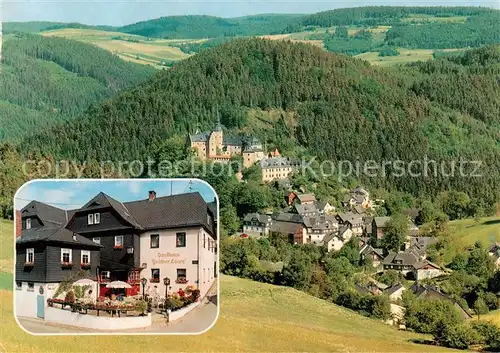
(389, 52)
(141, 306)
(175, 303)
(459, 336)
(70, 297)
(195, 294)
(489, 332)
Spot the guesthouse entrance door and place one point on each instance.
(40, 306)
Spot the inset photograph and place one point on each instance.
(116, 256)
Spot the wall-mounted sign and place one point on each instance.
(40, 290)
(168, 258)
(195, 262)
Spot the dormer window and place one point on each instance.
(93, 218)
(28, 223)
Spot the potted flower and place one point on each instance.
(66, 264)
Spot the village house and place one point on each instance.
(352, 220)
(395, 292)
(277, 168)
(324, 207)
(357, 197)
(422, 291)
(178, 240)
(336, 240)
(410, 263)
(494, 252)
(257, 224)
(376, 256)
(46, 254)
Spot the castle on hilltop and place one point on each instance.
(213, 145)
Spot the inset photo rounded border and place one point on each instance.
(116, 256)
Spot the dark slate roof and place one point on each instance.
(302, 209)
(421, 291)
(394, 288)
(278, 162)
(56, 234)
(331, 236)
(101, 200)
(285, 227)
(351, 218)
(232, 141)
(201, 137)
(174, 211)
(262, 218)
(368, 249)
(407, 259)
(212, 206)
(45, 212)
(287, 217)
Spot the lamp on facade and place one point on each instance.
(130, 249)
(166, 282)
(143, 282)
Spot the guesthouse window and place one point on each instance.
(97, 240)
(19, 285)
(66, 255)
(155, 241)
(97, 218)
(155, 275)
(118, 241)
(180, 240)
(85, 257)
(30, 255)
(31, 286)
(181, 274)
(90, 219)
(28, 223)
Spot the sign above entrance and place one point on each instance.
(169, 258)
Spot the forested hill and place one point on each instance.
(180, 27)
(40, 26)
(336, 107)
(47, 80)
(387, 15)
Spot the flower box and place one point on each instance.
(29, 264)
(66, 264)
(118, 247)
(85, 266)
(181, 281)
(154, 280)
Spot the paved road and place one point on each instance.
(197, 320)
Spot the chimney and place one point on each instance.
(19, 224)
(152, 195)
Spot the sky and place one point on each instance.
(122, 12)
(71, 194)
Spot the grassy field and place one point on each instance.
(421, 18)
(493, 316)
(129, 47)
(468, 231)
(254, 317)
(6, 246)
(406, 56)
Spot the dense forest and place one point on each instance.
(365, 113)
(40, 26)
(180, 27)
(386, 15)
(475, 32)
(47, 80)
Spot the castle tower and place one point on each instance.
(215, 139)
